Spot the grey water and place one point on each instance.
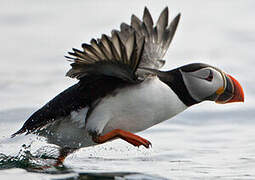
(207, 141)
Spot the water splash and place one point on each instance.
(41, 161)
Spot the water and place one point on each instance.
(208, 141)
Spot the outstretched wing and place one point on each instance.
(157, 38)
(140, 44)
(109, 63)
(108, 56)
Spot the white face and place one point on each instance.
(203, 83)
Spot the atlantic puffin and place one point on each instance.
(121, 89)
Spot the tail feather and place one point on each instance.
(21, 131)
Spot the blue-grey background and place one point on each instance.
(208, 141)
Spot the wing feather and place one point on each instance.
(96, 51)
(116, 43)
(162, 24)
(109, 56)
(157, 38)
(140, 44)
(170, 31)
(148, 21)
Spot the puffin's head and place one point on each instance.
(204, 82)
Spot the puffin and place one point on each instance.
(121, 89)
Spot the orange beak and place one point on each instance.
(232, 93)
(238, 91)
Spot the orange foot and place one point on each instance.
(127, 136)
(63, 153)
(60, 161)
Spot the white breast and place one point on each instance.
(135, 108)
(132, 109)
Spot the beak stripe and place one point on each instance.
(238, 91)
(220, 91)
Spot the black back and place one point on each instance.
(78, 96)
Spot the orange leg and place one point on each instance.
(60, 160)
(63, 153)
(127, 136)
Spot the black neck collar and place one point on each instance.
(175, 81)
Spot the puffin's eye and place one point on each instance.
(205, 74)
(210, 76)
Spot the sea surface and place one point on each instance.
(207, 141)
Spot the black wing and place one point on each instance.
(106, 64)
(157, 38)
(78, 96)
(140, 44)
(101, 67)
(108, 56)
